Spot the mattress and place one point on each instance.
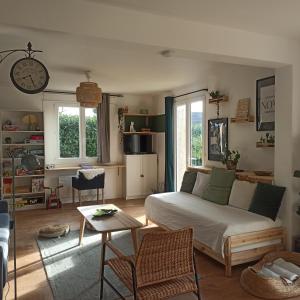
(212, 223)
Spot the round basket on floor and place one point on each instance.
(271, 288)
(53, 231)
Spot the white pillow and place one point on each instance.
(201, 183)
(241, 194)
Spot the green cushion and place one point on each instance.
(188, 182)
(219, 186)
(266, 200)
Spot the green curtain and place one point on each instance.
(169, 145)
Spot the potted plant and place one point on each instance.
(231, 159)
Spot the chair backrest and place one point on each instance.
(164, 256)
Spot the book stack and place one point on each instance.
(280, 268)
(36, 139)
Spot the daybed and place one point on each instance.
(228, 234)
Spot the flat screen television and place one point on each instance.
(137, 144)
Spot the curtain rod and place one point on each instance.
(191, 93)
(74, 93)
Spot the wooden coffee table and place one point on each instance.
(106, 225)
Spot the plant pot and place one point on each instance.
(231, 165)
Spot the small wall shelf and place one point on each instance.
(22, 131)
(26, 144)
(218, 100)
(264, 145)
(250, 119)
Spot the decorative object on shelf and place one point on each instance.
(216, 98)
(8, 126)
(31, 121)
(88, 94)
(8, 140)
(266, 141)
(27, 74)
(265, 104)
(231, 159)
(243, 112)
(131, 129)
(217, 138)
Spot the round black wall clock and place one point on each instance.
(29, 75)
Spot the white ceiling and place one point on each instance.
(124, 67)
(275, 17)
(117, 66)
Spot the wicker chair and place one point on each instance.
(164, 266)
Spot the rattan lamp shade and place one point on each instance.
(88, 94)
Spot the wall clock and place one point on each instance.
(29, 75)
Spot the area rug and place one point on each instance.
(73, 271)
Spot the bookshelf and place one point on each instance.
(22, 132)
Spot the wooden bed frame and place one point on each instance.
(232, 258)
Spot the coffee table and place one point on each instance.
(106, 225)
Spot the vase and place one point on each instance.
(231, 165)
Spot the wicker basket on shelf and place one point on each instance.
(271, 288)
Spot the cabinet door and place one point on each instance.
(149, 172)
(133, 176)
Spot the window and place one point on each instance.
(189, 136)
(91, 132)
(77, 132)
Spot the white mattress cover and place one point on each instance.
(212, 223)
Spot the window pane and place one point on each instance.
(91, 132)
(68, 118)
(180, 144)
(196, 133)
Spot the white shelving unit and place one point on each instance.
(21, 138)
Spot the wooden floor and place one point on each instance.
(32, 281)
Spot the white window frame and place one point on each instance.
(82, 137)
(188, 102)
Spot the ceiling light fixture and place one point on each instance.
(88, 94)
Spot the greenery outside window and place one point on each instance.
(189, 124)
(77, 132)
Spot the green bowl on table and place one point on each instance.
(104, 212)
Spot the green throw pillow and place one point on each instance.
(219, 186)
(266, 200)
(188, 182)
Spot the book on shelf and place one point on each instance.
(37, 185)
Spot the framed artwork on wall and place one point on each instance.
(265, 104)
(217, 138)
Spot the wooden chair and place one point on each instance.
(163, 267)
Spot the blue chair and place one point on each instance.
(5, 226)
(80, 183)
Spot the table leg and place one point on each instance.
(102, 258)
(134, 240)
(109, 236)
(81, 232)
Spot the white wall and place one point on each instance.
(237, 82)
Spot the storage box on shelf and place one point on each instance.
(22, 132)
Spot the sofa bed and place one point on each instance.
(234, 229)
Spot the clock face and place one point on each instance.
(29, 75)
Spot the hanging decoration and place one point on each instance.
(28, 74)
(88, 93)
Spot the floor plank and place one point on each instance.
(32, 280)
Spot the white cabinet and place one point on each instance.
(141, 175)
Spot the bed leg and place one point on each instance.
(227, 254)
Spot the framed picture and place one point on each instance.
(265, 104)
(217, 138)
